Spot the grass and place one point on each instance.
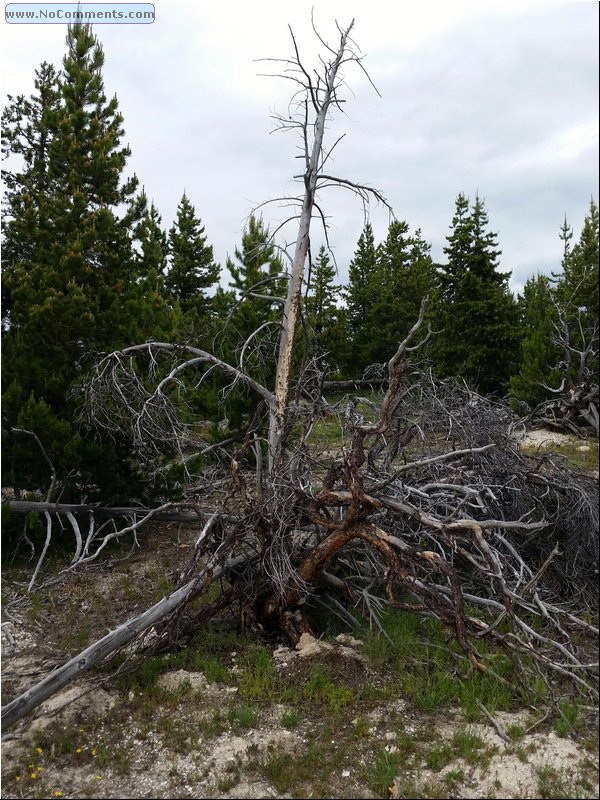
(382, 772)
(562, 784)
(582, 454)
(416, 651)
(257, 680)
(469, 746)
(291, 719)
(242, 717)
(567, 719)
(323, 690)
(341, 707)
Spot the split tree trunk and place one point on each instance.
(278, 409)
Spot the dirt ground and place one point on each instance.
(225, 766)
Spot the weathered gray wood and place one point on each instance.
(106, 512)
(113, 641)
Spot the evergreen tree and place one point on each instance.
(577, 292)
(256, 276)
(74, 281)
(539, 355)
(387, 285)
(322, 309)
(405, 275)
(27, 133)
(155, 312)
(254, 314)
(359, 304)
(192, 267)
(153, 241)
(474, 307)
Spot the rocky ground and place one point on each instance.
(90, 742)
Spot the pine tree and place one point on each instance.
(27, 133)
(359, 303)
(192, 267)
(405, 275)
(153, 240)
(539, 355)
(76, 285)
(387, 285)
(577, 294)
(154, 313)
(475, 308)
(322, 309)
(254, 312)
(256, 275)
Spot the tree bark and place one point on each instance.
(103, 512)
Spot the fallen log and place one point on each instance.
(113, 641)
(102, 512)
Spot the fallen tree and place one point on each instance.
(425, 504)
(430, 507)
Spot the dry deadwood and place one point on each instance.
(574, 406)
(429, 506)
(576, 412)
(425, 504)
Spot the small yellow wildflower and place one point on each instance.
(17, 777)
(33, 776)
(98, 777)
(57, 793)
(40, 769)
(29, 766)
(38, 750)
(94, 751)
(78, 750)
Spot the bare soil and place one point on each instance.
(193, 738)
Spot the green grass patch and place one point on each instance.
(280, 769)
(257, 680)
(242, 717)
(291, 719)
(439, 757)
(382, 772)
(567, 719)
(581, 454)
(468, 746)
(562, 784)
(322, 689)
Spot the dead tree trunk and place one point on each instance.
(319, 97)
(112, 642)
(321, 105)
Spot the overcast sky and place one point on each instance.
(499, 98)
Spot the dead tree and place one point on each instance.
(317, 97)
(574, 407)
(427, 505)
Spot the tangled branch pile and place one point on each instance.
(428, 505)
(432, 505)
(575, 411)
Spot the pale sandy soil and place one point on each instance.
(224, 766)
